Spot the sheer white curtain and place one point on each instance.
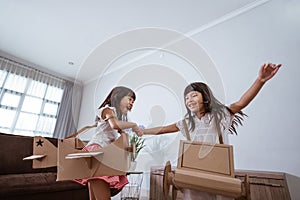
(69, 111)
(31, 100)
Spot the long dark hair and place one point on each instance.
(114, 97)
(213, 106)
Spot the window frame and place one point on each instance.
(18, 110)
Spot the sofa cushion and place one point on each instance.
(30, 183)
(13, 149)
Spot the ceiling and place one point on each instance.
(59, 36)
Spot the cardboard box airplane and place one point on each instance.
(73, 163)
(201, 166)
(205, 167)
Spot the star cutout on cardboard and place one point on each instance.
(39, 143)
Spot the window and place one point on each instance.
(29, 103)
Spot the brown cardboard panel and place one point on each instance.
(215, 184)
(208, 168)
(114, 160)
(208, 158)
(42, 146)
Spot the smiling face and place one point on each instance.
(122, 98)
(197, 97)
(194, 102)
(126, 104)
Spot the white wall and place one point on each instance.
(237, 47)
(268, 140)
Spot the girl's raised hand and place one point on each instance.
(267, 71)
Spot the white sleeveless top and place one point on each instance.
(206, 130)
(104, 134)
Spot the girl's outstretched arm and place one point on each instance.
(117, 124)
(160, 130)
(266, 72)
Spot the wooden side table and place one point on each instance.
(266, 185)
(156, 185)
